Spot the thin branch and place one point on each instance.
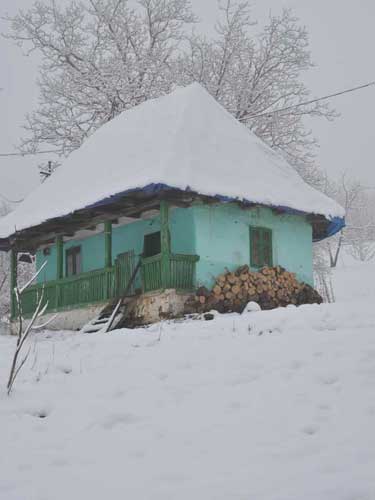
(33, 278)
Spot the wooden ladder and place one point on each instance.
(111, 315)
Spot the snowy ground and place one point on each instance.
(275, 405)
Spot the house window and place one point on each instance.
(73, 261)
(260, 247)
(151, 244)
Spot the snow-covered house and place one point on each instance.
(173, 192)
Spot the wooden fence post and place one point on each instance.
(59, 258)
(108, 255)
(108, 244)
(165, 244)
(59, 267)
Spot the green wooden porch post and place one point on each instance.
(13, 281)
(108, 244)
(59, 258)
(108, 258)
(59, 268)
(165, 244)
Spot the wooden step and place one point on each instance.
(101, 322)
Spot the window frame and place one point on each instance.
(74, 251)
(264, 250)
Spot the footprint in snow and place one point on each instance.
(66, 369)
(24, 467)
(59, 462)
(235, 405)
(243, 380)
(137, 454)
(296, 365)
(119, 393)
(310, 430)
(115, 420)
(186, 365)
(41, 413)
(328, 379)
(324, 407)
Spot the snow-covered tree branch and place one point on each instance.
(101, 57)
(4, 272)
(255, 74)
(358, 237)
(24, 332)
(24, 271)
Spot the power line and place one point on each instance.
(323, 98)
(31, 153)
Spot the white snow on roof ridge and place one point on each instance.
(185, 140)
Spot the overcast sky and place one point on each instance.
(342, 43)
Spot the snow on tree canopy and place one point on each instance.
(184, 140)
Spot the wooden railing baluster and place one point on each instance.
(102, 285)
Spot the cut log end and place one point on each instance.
(271, 287)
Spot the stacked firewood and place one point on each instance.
(271, 287)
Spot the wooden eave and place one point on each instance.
(131, 206)
(319, 226)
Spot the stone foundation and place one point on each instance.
(141, 310)
(73, 319)
(155, 306)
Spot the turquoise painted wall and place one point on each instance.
(92, 256)
(223, 240)
(219, 234)
(49, 271)
(124, 238)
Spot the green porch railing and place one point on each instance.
(87, 288)
(32, 295)
(106, 284)
(151, 273)
(72, 292)
(181, 275)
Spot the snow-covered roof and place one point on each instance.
(185, 140)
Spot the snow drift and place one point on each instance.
(267, 405)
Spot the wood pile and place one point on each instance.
(271, 287)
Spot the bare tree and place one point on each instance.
(360, 231)
(23, 333)
(347, 192)
(362, 249)
(101, 57)
(323, 273)
(4, 272)
(358, 236)
(255, 74)
(25, 271)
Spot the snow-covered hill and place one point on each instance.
(275, 405)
